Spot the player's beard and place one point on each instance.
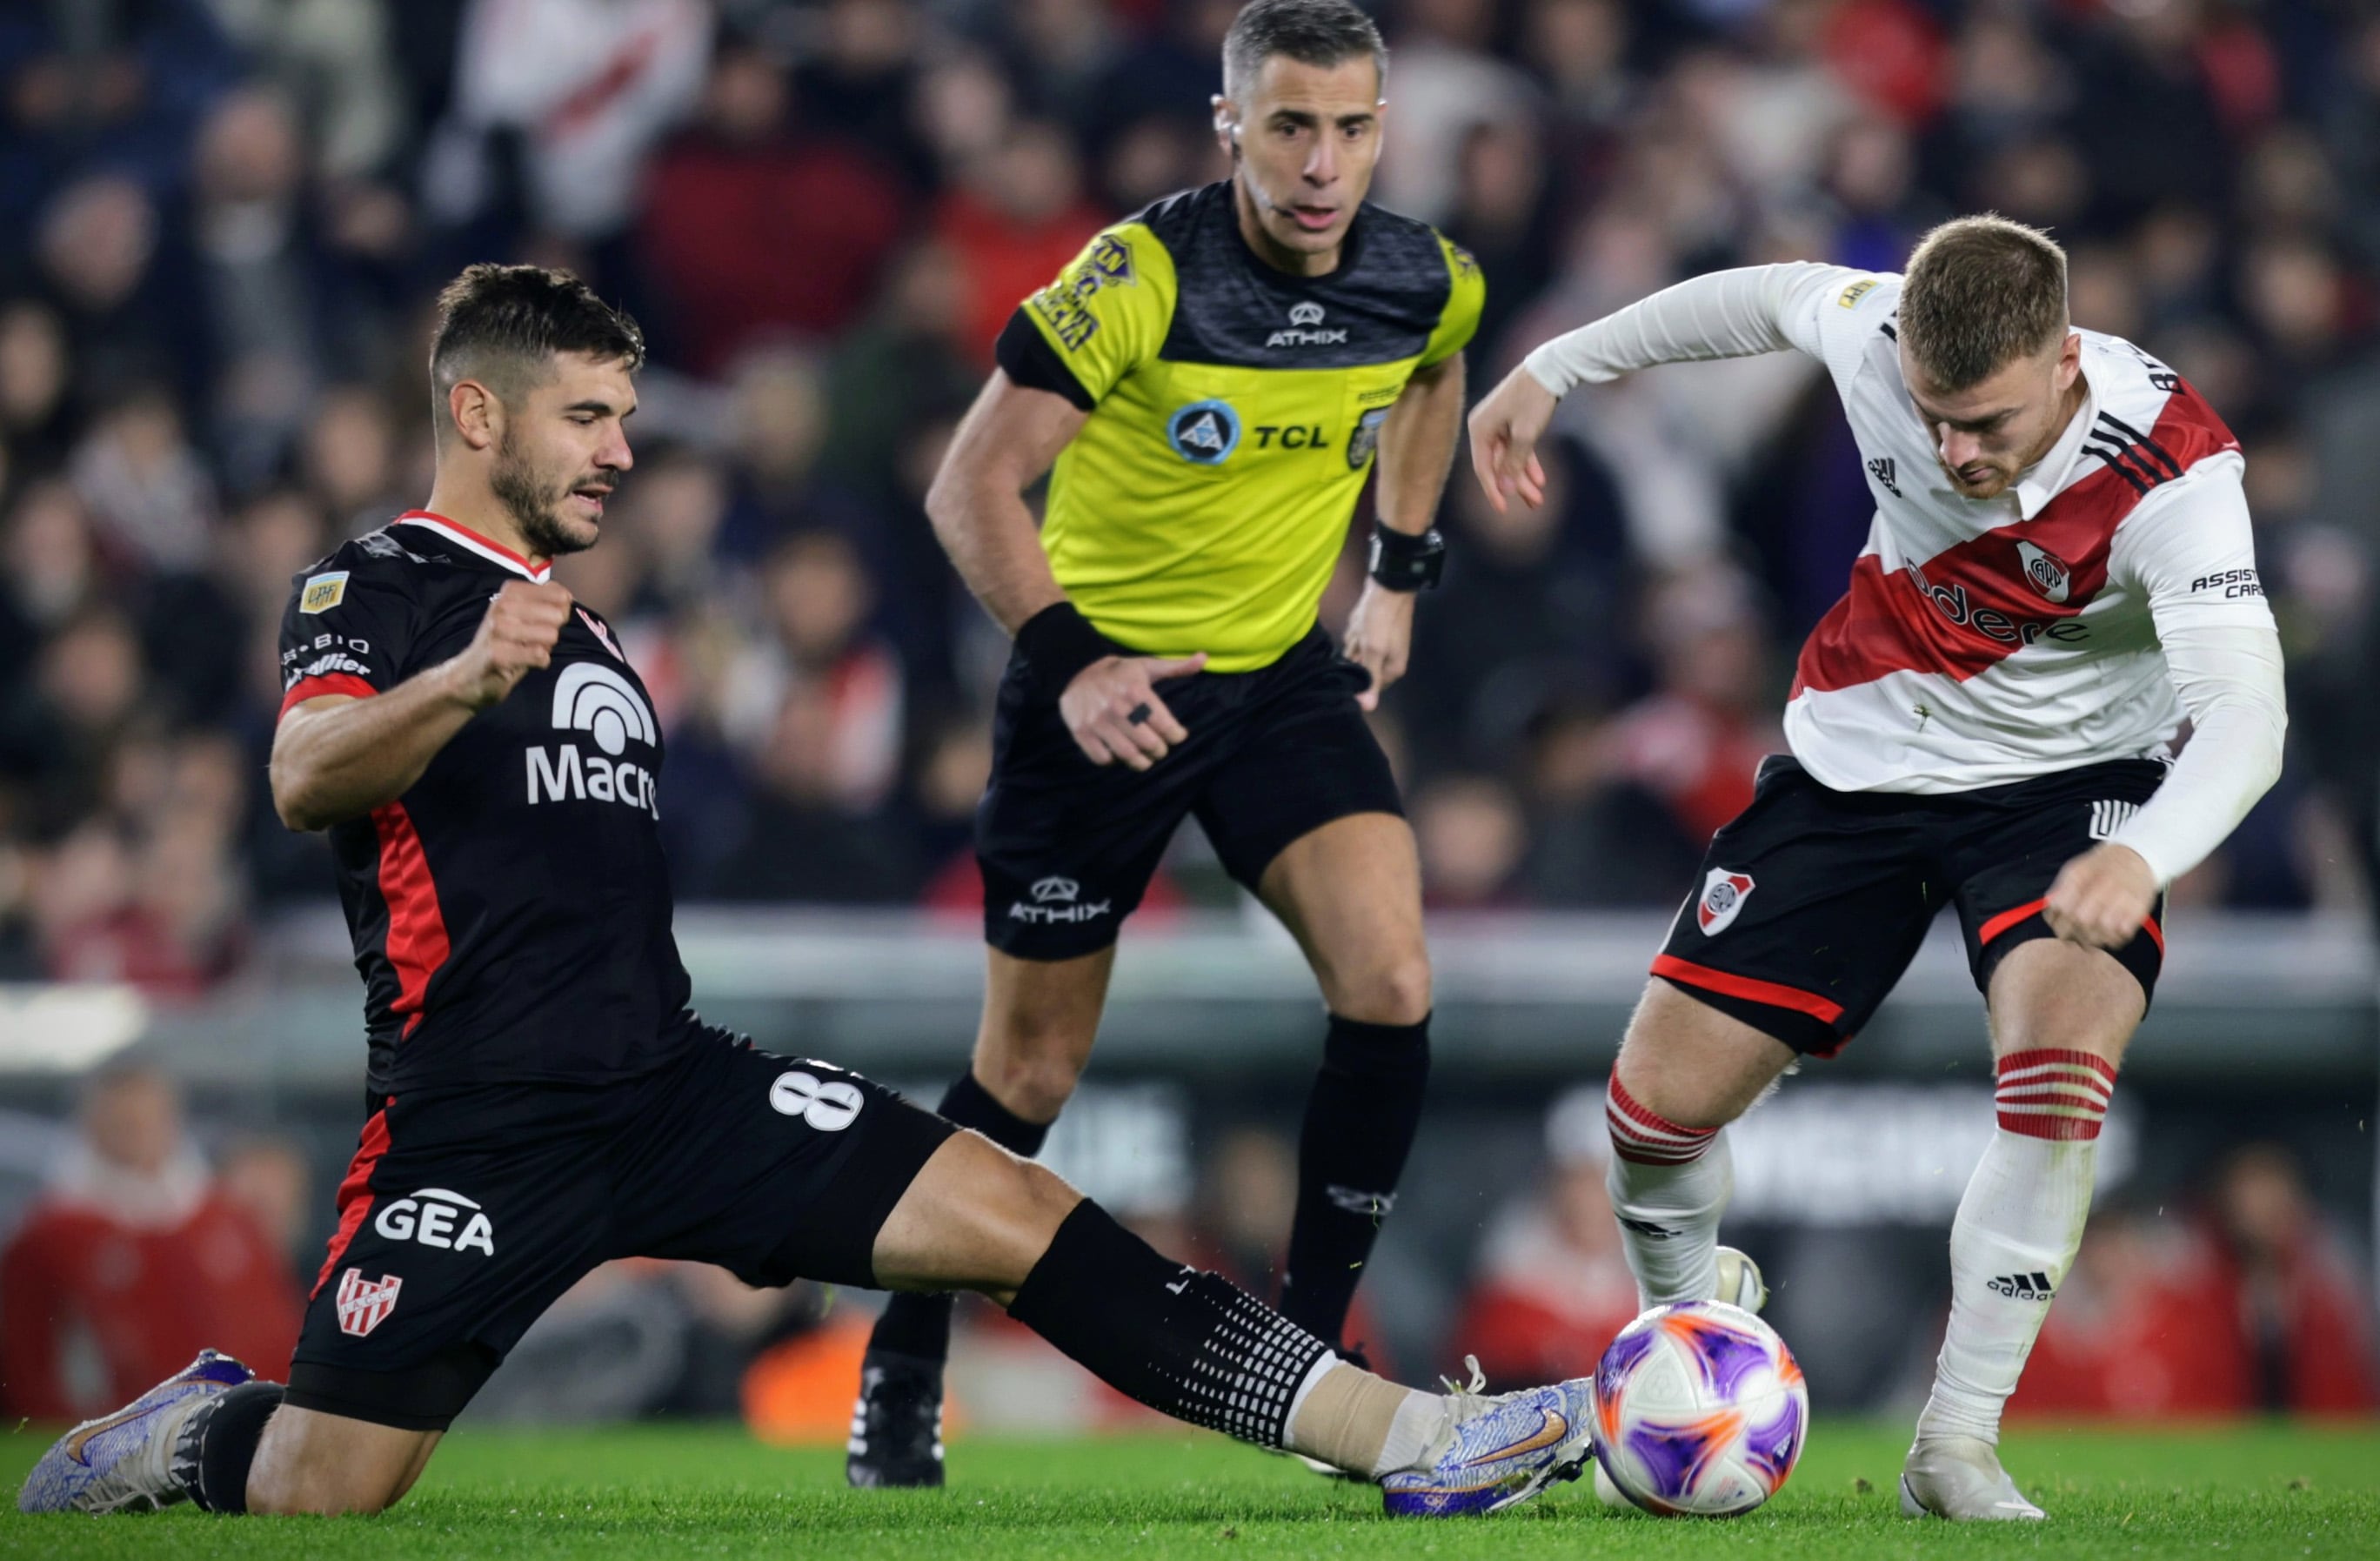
(536, 505)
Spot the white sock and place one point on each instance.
(2016, 1233)
(1669, 1187)
(1422, 1421)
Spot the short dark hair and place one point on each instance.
(1980, 293)
(500, 323)
(1319, 32)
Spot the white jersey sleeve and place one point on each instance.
(1737, 313)
(2191, 553)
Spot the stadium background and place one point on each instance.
(221, 222)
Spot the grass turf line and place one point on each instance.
(631, 1495)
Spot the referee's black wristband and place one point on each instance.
(1057, 642)
(1402, 562)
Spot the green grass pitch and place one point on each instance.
(630, 1495)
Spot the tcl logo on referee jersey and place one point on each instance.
(595, 699)
(435, 1217)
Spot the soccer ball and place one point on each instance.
(1699, 1410)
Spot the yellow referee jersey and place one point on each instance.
(1233, 410)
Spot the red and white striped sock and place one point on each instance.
(2016, 1233)
(1669, 1187)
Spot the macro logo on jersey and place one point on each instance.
(1724, 893)
(2044, 571)
(827, 1106)
(1305, 329)
(324, 592)
(435, 1217)
(1204, 432)
(593, 699)
(364, 1304)
(1058, 900)
(1066, 304)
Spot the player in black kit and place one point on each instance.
(541, 1099)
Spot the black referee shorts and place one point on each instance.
(1813, 901)
(1068, 846)
(466, 1213)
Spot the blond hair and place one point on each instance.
(1980, 293)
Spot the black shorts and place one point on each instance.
(1068, 846)
(466, 1213)
(1814, 901)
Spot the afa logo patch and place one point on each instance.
(1856, 291)
(1724, 893)
(324, 592)
(1204, 432)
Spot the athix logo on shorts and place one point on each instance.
(364, 1304)
(436, 1217)
(2046, 572)
(1204, 432)
(1724, 893)
(591, 698)
(1057, 899)
(829, 1105)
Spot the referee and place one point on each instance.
(1213, 380)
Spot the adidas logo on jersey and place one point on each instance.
(2022, 1287)
(1881, 469)
(595, 699)
(2108, 817)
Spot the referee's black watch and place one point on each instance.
(1402, 562)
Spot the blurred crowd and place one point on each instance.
(144, 1238)
(221, 222)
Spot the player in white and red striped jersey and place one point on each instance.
(2059, 583)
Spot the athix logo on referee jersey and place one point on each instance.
(1306, 323)
(593, 699)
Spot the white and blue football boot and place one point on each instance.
(1497, 1452)
(124, 1462)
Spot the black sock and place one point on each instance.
(1359, 1125)
(1191, 1345)
(919, 1325)
(217, 1445)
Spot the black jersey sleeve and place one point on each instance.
(350, 622)
(1031, 360)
